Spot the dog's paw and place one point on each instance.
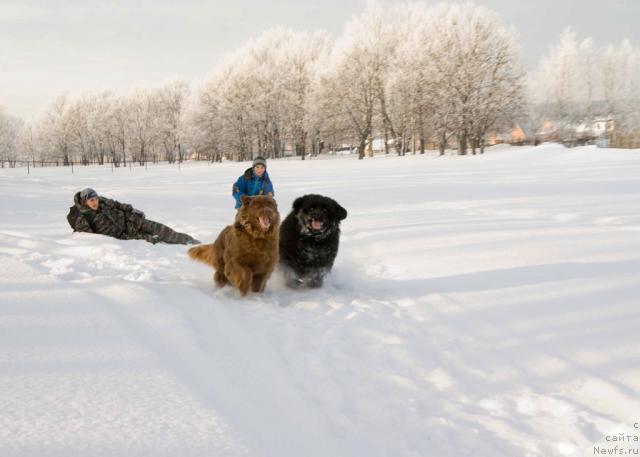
(294, 283)
(315, 283)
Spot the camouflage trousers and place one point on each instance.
(155, 232)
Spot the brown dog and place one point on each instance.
(245, 253)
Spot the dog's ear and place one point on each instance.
(297, 204)
(339, 211)
(245, 199)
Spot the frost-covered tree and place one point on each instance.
(55, 133)
(171, 99)
(203, 122)
(237, 118)
(620, 67)
(257, 98)
(478, 79)
(575, 78)
(86, 123)
(102, 146)
(403, 104)
(142, 125)
(82, 138)
(419, 84)
(27, 144)
(301, 62)
(456, 73)
(352, 86)
(563, 85)
(408, 75)
(10, 130)
(587, 64)
(117, 120)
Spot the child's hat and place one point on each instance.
(260, 161)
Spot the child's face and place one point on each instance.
(92, 203)
(259, 170)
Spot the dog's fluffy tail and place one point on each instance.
(203, 253)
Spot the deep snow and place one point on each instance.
(483, 305)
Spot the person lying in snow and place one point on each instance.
(254, 181)
(94, 214)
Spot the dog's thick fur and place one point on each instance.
(245, 253)
(309, 239)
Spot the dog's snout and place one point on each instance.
(267, 214)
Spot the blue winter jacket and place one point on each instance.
(250, 184)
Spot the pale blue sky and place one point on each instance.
(47, 48)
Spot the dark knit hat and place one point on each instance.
(86, 194)
(259, 161)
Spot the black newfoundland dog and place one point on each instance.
(309, 238)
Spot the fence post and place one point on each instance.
(28, 167)
(72, 167)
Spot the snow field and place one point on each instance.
(480, 305)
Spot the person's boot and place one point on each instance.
(182, 238)
(192, 240)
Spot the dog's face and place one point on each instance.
(259, 215)
(318, 215)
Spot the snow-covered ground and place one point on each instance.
(482, 305)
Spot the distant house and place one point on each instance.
(573, 134)
(583, 129)
(547, 129)
(515, 136)
(377, 145)
(492, 138)
(602, 126)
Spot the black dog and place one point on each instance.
(309, 238)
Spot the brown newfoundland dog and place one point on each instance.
(245, 253)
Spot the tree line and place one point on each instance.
(414, 76)
(576, 82)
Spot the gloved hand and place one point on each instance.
(138, 213)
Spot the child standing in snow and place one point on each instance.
(254, 181)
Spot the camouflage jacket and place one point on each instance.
(112, 218)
